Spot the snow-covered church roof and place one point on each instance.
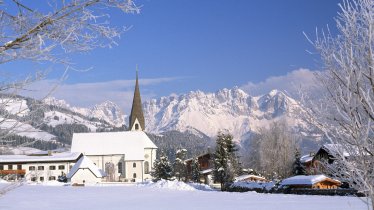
(85, 163)
(129, 143)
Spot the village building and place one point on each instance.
(85, 172)
(250, 178)
(124, 156)
(311, 182)
(37, 167)
(206, 166)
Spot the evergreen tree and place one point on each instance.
(298, 168)
(162, 168)
(195, 170)
(226, 164)
(179, 164)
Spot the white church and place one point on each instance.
(98, 157)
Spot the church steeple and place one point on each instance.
(136, 116)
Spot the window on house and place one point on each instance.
(136, 126)
(134, 165)
(41, 178)
(1, 167)
(33, 179)
(134, 175)
(61, 167)
(32, 168)
(146, 167)
(19, 167)
(51, 178)
(40, 168)
(119, 167)
(10, 167)
(52, 167)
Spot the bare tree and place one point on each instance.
(346, 113)
(48, 36)
(273, 151)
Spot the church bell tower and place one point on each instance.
(136, 116)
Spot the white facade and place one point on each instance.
(85, 172)
(37, 168)
(123, 156)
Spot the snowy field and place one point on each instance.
(162, 196)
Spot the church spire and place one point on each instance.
(136, 116)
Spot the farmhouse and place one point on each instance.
(37, 167)
(312, 182)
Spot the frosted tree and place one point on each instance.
(195, 170)
(226, 164)
(273, 150)
(180, 170)
(346, 112)
(162, 168)
(48, 36)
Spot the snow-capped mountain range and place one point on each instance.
(196, 112)
(230, 109)
(227, 109)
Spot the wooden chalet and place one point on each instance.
(206, 166)
(311, 182)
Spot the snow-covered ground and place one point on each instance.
(164, 195)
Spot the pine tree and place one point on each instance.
(298, 168)
(226, 164)
(195, 170)
(162, 168)
(180, 170)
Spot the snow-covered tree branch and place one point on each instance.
(48, 34)
(346, 113)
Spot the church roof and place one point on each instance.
(136, 110)
(129, 143)
(85, 163)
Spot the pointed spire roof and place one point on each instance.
(136, 115)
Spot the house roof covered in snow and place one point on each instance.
(54, 157)
(307, 180)
(129, 143)
(335, 149)
(307, 158)
(249, 176)
(85, 163)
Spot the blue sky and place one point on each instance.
(185, 45)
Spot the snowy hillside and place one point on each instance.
(107, 111)
(231, 109)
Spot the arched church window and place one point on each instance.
(134, 175)
(134, 165)
(146, 167)
(136, 126)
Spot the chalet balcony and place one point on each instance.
(8, 172)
